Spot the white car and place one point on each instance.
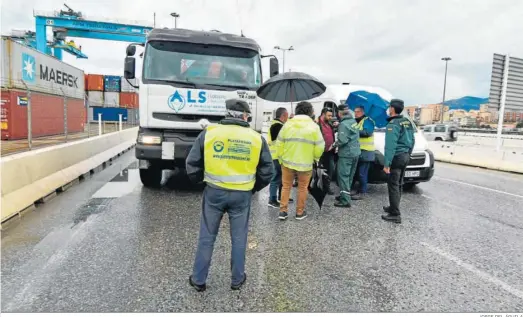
(421, 165)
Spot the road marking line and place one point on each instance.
(480, 187)
(489, 278)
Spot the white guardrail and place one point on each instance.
(32, 176)
(479, 156)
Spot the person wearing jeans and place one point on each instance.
(235, 162)
(366, 129)
(300, 144)
(275, 187)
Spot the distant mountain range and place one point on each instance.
(466, 103)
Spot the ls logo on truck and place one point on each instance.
(177, 101)
(28, 68)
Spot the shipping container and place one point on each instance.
(40, 72)
(47, 114)
(109, 113)
(112, 83)
(95, 82)
(129, 100)
(95, 98)
(112, 99)
(126, 87)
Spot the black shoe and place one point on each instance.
(291, 200)
(302, 216)
(199, 288)
(392, 218)
(330, 192)
(274, 204)
(354, 192)
(337, 198)
(342, 205)
(283, 215)
(239, 286)
(356, 197)
(386, 209)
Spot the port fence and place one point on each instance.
(36, 117)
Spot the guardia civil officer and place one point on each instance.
(399, 143)
(348, 154)
(235, 162)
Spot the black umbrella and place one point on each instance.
(291, 87)
(319, 185)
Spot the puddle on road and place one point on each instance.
(92, 207)
(122, 184)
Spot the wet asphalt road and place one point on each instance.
(110, 245)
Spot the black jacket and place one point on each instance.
(195, 160)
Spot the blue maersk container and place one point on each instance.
(112, 83)
(109, 113)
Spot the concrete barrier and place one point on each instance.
(31, 176)
(505, 160)
(490, 141)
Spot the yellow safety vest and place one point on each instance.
(272, 145)
(367, 143)
(231, 155)
(300, 143)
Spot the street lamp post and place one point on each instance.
(446, 59)
(291, 48)
(175, 16)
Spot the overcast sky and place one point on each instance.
(394, 44)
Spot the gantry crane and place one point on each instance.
(70, 23)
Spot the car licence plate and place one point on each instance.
(167, 150)
(412, 174)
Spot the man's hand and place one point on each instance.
(336, 124)
(386, 170)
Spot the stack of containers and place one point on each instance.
(129, 94)
(94, 85)
(112, 87)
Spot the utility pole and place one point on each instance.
(175, 16)
(154, 20)
(291, 48)
(446, 59)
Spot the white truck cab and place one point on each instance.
(186, 77)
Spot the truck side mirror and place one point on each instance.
(274, 66)
(129, 67)
(131, 50)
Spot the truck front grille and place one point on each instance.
(186, 117)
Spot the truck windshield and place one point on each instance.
(202, 64)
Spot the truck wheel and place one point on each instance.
(151, 178)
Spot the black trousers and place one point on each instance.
(395, 181)
(327, 160)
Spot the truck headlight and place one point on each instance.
(149, 139)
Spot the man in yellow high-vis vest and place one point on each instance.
(366, 126)
(235, 162)
(300, 145)
(275, 187)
